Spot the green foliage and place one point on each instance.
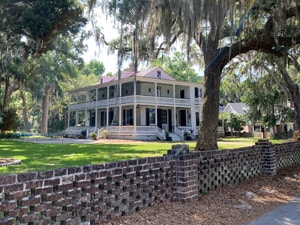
(177, 67)
(9, 120)
(9, 135)
(234, 122)
(94, 135)
(267, 103)
(55, 123)
(93, 67)
(40, 45)
(41, 22)
(126, 10)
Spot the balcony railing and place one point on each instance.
(139, 99)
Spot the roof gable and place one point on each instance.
(237, 108)
(155, 72)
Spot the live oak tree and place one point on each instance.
(37, 26)
(273, 83)
(222, 30)
(266, 101)
(288, 68)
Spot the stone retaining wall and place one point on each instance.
(87, 194)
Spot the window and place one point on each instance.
(92, 95)
(196, 92)
(158, 91)
(127, 117)
(150, 116)
(164, 116)
(159, 74)
(182, 93)
(197, 118)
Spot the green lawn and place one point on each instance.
(39, 157)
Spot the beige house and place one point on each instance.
(148, 105)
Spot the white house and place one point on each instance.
(141, 106)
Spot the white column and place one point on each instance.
(68, 118)
(155, 108)
(174, 110)
(76, 117)
(120, 115)
(87, 119)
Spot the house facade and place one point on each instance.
(257, 129)
(147, 105)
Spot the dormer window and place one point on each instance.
(159, 74)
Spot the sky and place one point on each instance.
(100, 53)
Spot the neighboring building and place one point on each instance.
(239, 109)
(236, 108)
(144, 106)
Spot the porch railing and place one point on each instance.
(139, 130)
(179, 132)
(130, 100)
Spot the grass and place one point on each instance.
(40, 157)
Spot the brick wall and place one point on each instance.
(86, 194)
(287, 154)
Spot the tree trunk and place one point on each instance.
(6, 93)
(45, 109)
(296, 101)
(24, 111)
(207, 138)
(294, 93)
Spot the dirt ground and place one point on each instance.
(230, 205)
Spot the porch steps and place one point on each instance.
(175, 137)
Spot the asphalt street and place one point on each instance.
(288, 214)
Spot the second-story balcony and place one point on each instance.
(138, 99)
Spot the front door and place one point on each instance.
(170, 120)
(92, 118)
(159, 118)
(102, 118)
(182, 118)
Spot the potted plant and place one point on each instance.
(168, 138)
(187, 135)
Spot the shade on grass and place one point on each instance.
(40, 157)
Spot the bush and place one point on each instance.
(104, 133)
(83, 134)
(10, 135)
(9, 120)
(94, 135)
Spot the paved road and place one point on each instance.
(288, 214)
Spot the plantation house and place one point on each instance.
(148, 105)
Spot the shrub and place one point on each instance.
(104, 133)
